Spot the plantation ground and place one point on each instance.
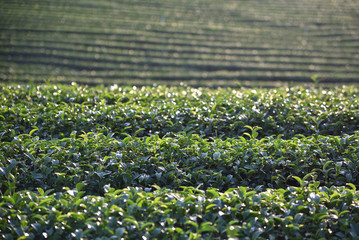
(202, 41)
(80, 162)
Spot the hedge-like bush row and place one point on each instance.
(98, 160)
(211, 113)
(305, 212)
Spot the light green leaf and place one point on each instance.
(41, 191)
(352, 186)
(326, 165)
(79, 186)
(192, 223)
(207, 227)
(298, 180)
(133, 221)
(33, 130)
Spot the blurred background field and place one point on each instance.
(209, 42)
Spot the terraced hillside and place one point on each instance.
(179, 40)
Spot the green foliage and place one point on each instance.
(294, 212)
(58, 111)
(95, 160)
(108, 162)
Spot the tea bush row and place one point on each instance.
(57, 111)
(187, 160)
(305, 212)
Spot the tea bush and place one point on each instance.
(177, 162)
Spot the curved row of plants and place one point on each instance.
(179, 40)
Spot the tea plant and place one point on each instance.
(307, 211)
(177, 162)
